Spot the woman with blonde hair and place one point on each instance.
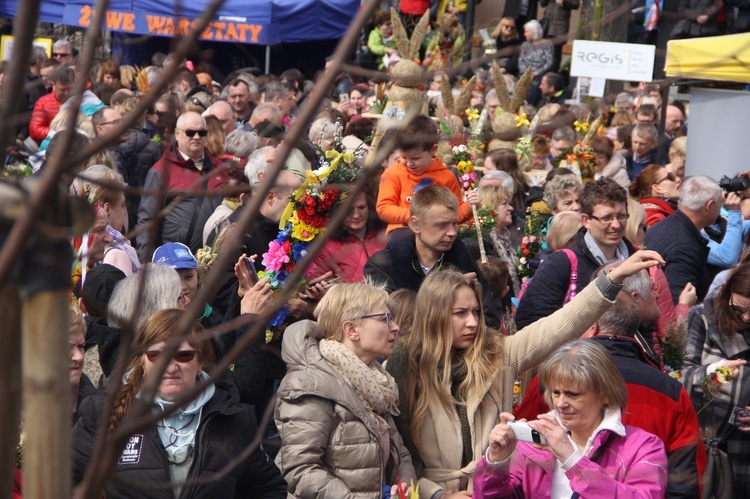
(586, 449)
(201, 438)
(335, 407)
(455, 375)
(677, 156)
(563, 229)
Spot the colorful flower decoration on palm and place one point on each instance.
(305, 217)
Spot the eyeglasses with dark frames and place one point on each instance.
(621, 217)
(388, 317)
(182, 357)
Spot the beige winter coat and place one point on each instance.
(330, 444)
(441, 431)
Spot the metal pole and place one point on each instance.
(470, 9)
(662, 152)
(268, 59)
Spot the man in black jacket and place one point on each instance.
(599, 242)
(678, 237)
(405, 263)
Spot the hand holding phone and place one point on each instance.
(525, 433)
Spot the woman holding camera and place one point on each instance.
(455, 375)
(580, 448)
(715, 374)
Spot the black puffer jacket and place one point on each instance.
(226, 429)
(136, 156)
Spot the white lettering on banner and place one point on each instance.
(613, 61)
(131, 454)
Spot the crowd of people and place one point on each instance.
(503, 232)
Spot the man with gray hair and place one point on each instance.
(185, 166)
(63, 52)
(498, 178)
(642, 150)
(678, 237)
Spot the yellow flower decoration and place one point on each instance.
(516, 390)
(304, 232)
(472, 114)
(521, 120)
(581, 127)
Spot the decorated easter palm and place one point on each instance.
(406, 93)
(510, 123)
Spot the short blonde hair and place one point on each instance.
(584, 365)
(563, 229)
(637, 216)
(347, 302)
(493, 195)
(77, 322)
(678, 147)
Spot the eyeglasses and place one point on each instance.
(192, 133)
(113, 122)
(388, 317)
(60, 54)
(182, 357)
(670, 176)
(622, 218)
(739, 310)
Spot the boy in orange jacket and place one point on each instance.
(417, 167)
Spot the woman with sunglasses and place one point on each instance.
(198, 440)
(719, 337)
(335, 407)
(658, 190)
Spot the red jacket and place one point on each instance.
(657, 210)
(175, 174)
(45, 110)
(414, 7)
(347, 257)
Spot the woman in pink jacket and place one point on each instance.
(346, 253)
(588, 452)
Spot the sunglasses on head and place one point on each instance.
(182, 357)
(197, 102)
(192, 133)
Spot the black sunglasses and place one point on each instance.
(182, 357)
(60, 54)
(192, 133)
(670, 176)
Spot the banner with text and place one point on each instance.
(239, 30)
(613, 61)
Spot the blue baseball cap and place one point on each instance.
(176, 255)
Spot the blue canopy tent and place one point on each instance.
(264, 22)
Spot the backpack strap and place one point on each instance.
(573, 283)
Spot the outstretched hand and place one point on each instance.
(638, 261)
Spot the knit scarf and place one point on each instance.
(459, 371)
(375, 387)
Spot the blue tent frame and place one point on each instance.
(264, 22)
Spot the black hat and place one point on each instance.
(98, 286)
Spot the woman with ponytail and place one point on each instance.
(199, 439)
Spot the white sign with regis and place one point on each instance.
(613, 61)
